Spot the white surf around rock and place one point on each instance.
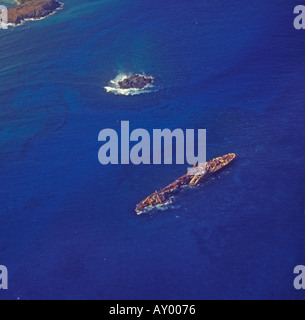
(115, 88)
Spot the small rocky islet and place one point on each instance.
(31, 9)
(136, 81)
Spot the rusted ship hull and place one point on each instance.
(192, 178)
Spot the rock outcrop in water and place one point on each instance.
(136, 82)
(31, 9)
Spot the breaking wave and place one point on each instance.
(114, 87)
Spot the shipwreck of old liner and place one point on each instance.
(192, 178)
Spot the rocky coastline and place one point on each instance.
(31, 9)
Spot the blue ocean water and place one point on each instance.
(68, 229)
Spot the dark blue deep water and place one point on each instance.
(68, 229)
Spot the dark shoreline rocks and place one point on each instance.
(31, 9)
(136, 82)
